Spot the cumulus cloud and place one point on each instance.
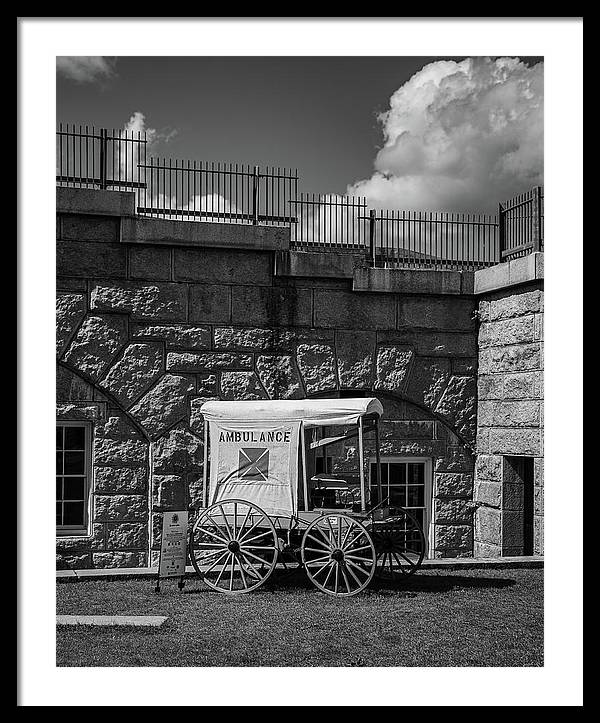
(137, 123)
(85, 68)
(460, 136)
(129, 152)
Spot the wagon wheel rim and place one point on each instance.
(234, 546)
(338, 555)
(400, 546)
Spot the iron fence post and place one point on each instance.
(255, 179)
(501, 239)
(372, 254)
(103, 157)
(537, 217)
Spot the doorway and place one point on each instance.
(517, 506)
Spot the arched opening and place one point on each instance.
(426, 468)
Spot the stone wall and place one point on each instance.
(149, 329)
(510, 411)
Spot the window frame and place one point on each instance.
(428, 508)
(80, 530)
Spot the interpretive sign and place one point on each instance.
(173, 545)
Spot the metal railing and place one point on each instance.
(227, 192)
(521, 224)
(425, 239)
(324, 222)
(200, 191)
(89, 157)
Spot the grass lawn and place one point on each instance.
(439, 618)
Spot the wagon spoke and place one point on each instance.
(410, 562)
(331, 528)
(208, 554)
(224, 516)
(242, 573)
(354, 541)
(256, 557)
(345, 540)
(337, 577)
(251, 570)
(231, 573)
(357, 567)
(215, 563)
(222, 570)
(317, 560)
(383, 560)
(243, 527)
(212, 534)
(210, 545)
(315, 549)
(358, 582)
(254, 526)
(256, 537)
(345, 577)
(400, 565)
(329, 573)
(329, 567)
(359, 549)
(324, 543)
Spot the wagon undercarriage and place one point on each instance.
(235, 547)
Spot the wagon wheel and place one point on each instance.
(400, 545)
(233, 546)
(338, 554)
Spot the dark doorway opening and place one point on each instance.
(517, 506)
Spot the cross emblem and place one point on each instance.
(253, 464)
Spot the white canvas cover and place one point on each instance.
(256, 462)
(312, 412)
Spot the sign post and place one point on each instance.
(173, 548)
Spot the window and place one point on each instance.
(323, 464)
(407, 483)
(72, 477)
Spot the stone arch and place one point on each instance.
(351, 361)
(99, 395)
(409, 429)
(397, 398)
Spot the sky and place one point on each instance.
(422, 133)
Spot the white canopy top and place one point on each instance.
(313, 412)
